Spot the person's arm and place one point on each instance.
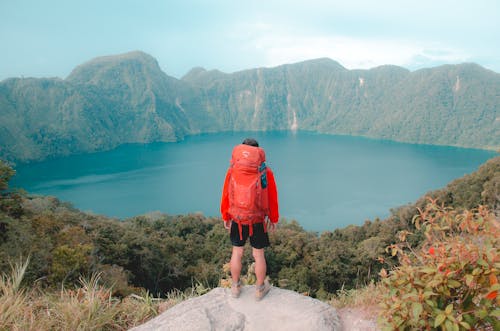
(273, 197)
(224, 203)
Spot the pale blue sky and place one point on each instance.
(49, 38)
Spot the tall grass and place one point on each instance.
(88, 307)
(12, 298)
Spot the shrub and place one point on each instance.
(451, 282)
(70, 262)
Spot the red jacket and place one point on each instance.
(272, 195)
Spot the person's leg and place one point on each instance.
(237, 253)
(259, 241)
(235, 263)
(260, 265)
(262, 286)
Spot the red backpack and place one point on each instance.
(248, 198)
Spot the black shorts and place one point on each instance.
(258, 240)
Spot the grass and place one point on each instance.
(88, 307)
(12, 299)
(368, 296)
(364, 301)
(91, 306)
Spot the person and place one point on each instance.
(249, 210)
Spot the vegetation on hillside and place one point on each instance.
(128, 99)
(451, 281)
(164, 254)
(88, 306)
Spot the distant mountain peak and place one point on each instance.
(322, 61)
(195, 72)
(89, 70)
(199, 72)
(124, 57)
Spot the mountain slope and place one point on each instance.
(449, 105)
(141, 97)
(127, 98)
(102, 104)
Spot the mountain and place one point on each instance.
(103, 103)
(127, 98)
(449, 105)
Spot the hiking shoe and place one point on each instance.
(236, 289)
(261, 291)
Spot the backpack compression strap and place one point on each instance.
(250, 228)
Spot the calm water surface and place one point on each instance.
(324, 182)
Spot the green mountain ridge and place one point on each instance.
(127, 98)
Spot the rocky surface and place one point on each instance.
(217, 310)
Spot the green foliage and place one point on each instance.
(6, 173)
(451, 282)
(161, 253)
(68, 263)
(10, 203)
(478, 188)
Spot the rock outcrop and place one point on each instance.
(217, 310)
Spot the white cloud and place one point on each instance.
(277, 45)
(354, 53)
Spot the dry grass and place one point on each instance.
(92, 307)
(89, 307)
(359, 308)
(368, 296)
(13, 299)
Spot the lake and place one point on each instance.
(324, 181)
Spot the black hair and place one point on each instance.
(251, 142)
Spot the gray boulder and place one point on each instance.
(217, 310)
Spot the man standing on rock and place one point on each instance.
(249, 199)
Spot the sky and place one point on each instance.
(50, 38)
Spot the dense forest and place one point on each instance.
(127, 98)
(161, 252)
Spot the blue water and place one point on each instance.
(324, 182)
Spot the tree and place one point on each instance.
(6, 172)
